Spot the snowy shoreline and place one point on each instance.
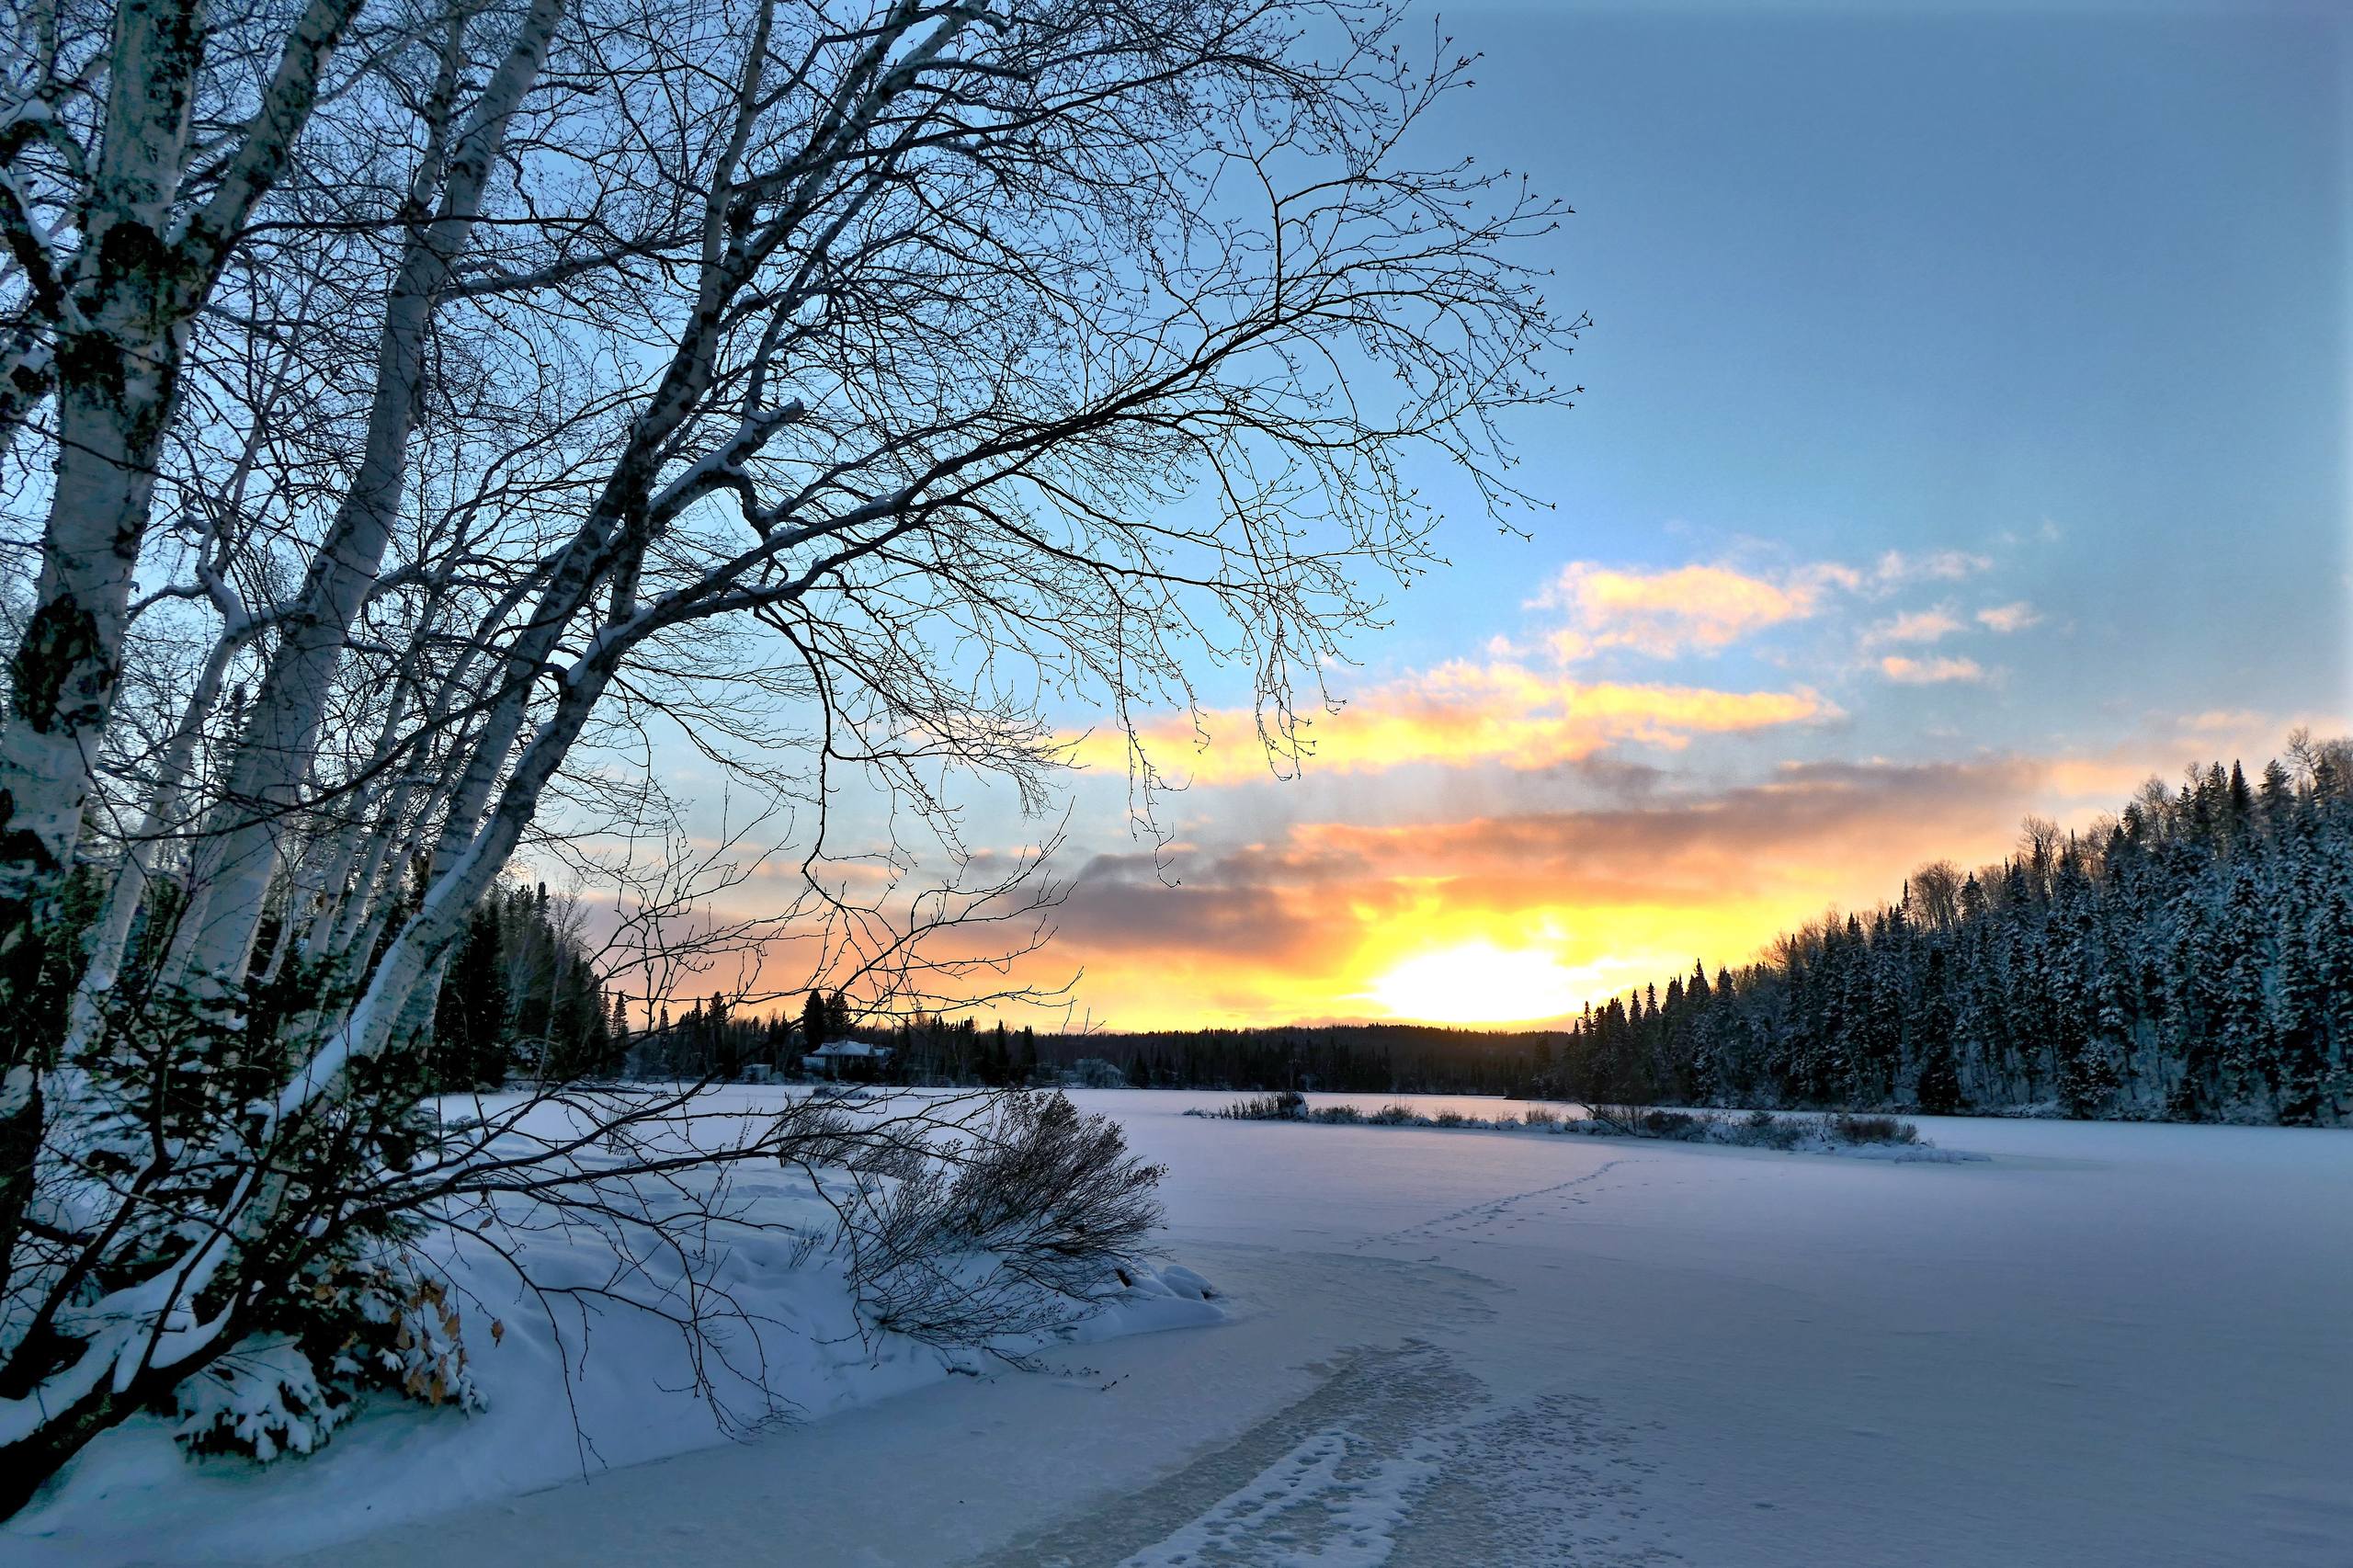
(575, 1384)
(1870, 1138)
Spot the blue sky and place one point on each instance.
(1869, 282)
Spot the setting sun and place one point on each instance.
(1478, 982)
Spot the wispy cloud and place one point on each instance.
(1464, 713)
(1705, 607)
(1521, 710)
(1929, 671)
(1662, 614)
(1918, 626)
(2009, 618)
(1895, 567)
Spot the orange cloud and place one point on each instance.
(2228, 721)
(1706, 607)
(1667, 613)
(1464, 713)
(1339, 920)
(1929, 671)
(1479, 917)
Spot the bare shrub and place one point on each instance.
(1763, 1129)
(1845, 1128)
(1394, 1114)
(1288, 1104)
(818, 1131)
(1006, 1234)
(1540, 1116)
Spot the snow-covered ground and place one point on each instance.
(586, 1370)
(2105, 1345)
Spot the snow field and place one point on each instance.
(2103, 1345)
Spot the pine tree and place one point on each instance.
(2248, 1053)
(470, 1022)
(1938, 1087)
(2278, 797)
(2238, 815)
(2196, 958)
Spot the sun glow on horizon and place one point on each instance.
(1478, 982)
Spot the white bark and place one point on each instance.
(237, 860)
(141, 276)
(104, 944)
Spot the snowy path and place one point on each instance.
(2127, 1346)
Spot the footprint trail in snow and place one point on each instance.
(1399, 1459)
(1332, 1501)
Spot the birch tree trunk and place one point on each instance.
(138, 280)
(123, 312)
(241, 854)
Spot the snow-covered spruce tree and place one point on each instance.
(428, 403)
(2192, 956)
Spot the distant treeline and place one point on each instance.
(1344, 1058)
(2190, 957)
(521, 998)
(711, 1040)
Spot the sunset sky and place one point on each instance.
(1965, 435)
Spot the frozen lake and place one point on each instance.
(2106, 1345)
(2111, 1344)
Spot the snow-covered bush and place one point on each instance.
(1757, 1130)
(1849, 1127)
(344, 1331)
(1016, 1228)
(263, 1398)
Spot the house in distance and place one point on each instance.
(847, 1059)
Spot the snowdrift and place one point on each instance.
(586, 1368)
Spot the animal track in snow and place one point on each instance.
(1485, 1215)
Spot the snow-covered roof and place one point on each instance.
(850, 1048)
